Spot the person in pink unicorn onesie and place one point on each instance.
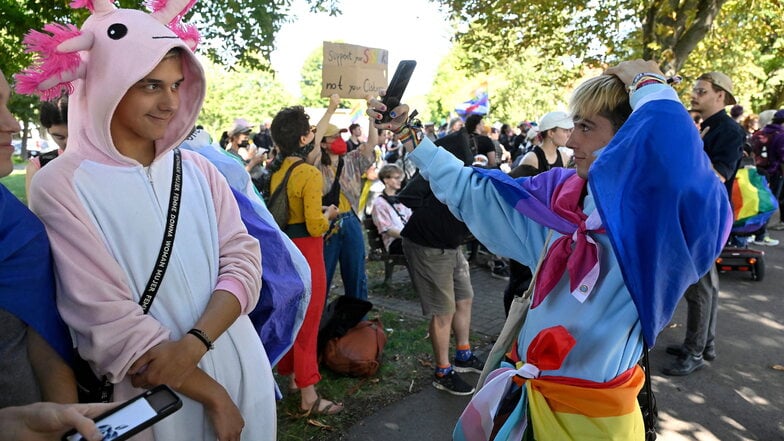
(136, 91)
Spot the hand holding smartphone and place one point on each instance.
(397, 86)
(134, 415)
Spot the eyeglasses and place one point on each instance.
(699, 91)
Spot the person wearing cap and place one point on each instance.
(238, 142)
(344, 241)
(723, 140)
(554, 130)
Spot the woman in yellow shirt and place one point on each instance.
(308, 221)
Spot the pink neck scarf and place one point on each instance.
(575, 251)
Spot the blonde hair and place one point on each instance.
(604, 95)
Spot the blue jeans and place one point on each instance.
(347, 246)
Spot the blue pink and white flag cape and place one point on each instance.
(285, 276)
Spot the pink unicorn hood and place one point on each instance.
(97, 64)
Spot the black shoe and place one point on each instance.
(473, 364)
(709, 354)
(453, 384)
(684, 366)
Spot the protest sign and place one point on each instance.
(353, 71)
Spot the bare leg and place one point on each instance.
(440, 332)
(461, 323)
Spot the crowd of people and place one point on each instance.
(554, 201)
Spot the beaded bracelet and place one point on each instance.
(644, 79)
(202, 336)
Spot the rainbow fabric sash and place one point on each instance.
(560, 408)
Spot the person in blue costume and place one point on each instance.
(618, 246)
(35, 348)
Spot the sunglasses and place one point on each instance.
(699, 91)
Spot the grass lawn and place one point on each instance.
(15, 182)
(407, 367)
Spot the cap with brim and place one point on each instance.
(779, 115)
(241, 126)
(333, 130)
(724, 82)
(556, 119)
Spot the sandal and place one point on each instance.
(330, 409)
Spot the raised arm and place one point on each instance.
(321, 128)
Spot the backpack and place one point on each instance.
(759, 149)
(278, 201)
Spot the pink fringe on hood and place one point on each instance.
(159, 5)
(76, 4)
(49, 61)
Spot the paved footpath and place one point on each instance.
(737, 397)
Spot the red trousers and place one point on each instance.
(301, 358)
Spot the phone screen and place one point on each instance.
(135, 415)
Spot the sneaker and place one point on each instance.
(473, 364)
(778, 227)
(453, 384)
(709, 354)
(766, 241)
(685, 366)
(500, 271)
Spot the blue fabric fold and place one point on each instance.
(27, 288)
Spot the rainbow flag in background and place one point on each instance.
(752, 201)
(480, 103)
(356, 112)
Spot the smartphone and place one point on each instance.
(135, 415)
(397, 86)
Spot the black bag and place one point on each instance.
(90, 388)
(647, 400)
(333, 196)
(339, 316)
(278, 203)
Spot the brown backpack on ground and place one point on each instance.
(358, 352)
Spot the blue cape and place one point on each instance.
(27, 287)
(666, 227)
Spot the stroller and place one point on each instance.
(753, 204)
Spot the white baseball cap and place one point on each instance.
(555, 119)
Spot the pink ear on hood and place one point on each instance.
(170, 13)
(58, 62)
(94, 6)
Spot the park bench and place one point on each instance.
(378, 253)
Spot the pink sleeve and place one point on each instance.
(382, 215)
(239, 270)
(93, 295)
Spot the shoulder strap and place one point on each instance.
(168, 237)
(284, 182)
(392, 204)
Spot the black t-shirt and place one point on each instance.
(431, 223)
(352, 145)
(484, 145)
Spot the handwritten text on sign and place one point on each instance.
(353, 71)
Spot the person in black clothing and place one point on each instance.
(263, 139)
(440, 274)
(723, 140)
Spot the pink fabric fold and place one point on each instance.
(575, 251)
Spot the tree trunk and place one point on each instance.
(674, 49)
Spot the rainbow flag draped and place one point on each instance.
(560, 408)
(752, 201)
